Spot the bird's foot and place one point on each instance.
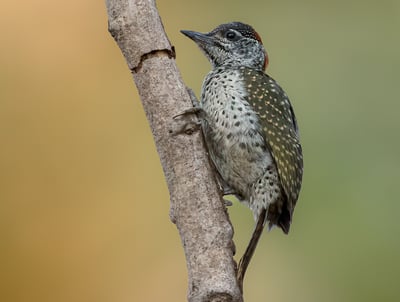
(185, 122)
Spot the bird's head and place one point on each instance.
(234, 44)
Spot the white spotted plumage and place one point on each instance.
(249, 124)
(236, 146)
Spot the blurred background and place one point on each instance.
(83, 202)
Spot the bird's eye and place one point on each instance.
(231, 35)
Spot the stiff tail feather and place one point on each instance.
(251, 247)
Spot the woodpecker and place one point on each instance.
(250, 128)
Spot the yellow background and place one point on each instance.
(83, 202)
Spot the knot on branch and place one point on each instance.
(170, 53)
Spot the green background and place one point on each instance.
(83, 202)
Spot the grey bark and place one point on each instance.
(196, 206)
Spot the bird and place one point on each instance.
(250, 129)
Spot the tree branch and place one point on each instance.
(196, 206)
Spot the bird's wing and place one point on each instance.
(280, 129)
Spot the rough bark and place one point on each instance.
(196, 206)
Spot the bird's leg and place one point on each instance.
(193, 98)
(251, 247)
(224, 188)
(185, 123)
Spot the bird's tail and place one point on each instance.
(251, 247)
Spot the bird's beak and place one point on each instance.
(199, 38)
